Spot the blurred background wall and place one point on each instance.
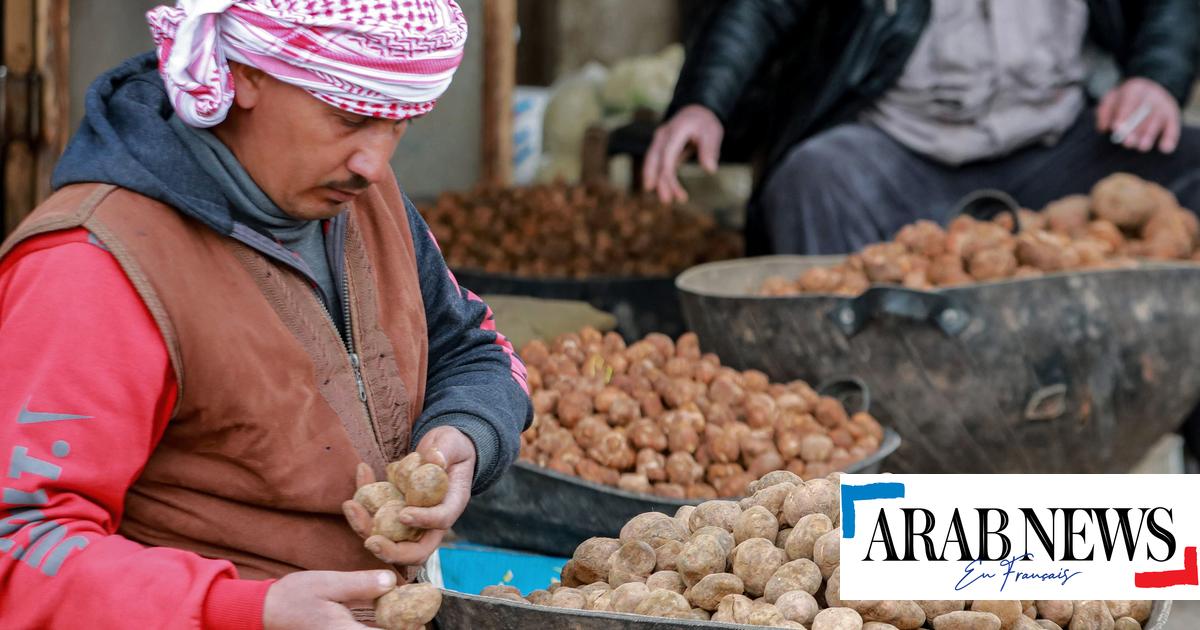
(442, 151)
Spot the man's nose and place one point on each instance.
(372, 158)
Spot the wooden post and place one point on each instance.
(499, 82)
(36, 105)
(19, 58)
(53, 67)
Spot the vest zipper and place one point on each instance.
(362, 388)
(347, 338)
(354, 360)
(348, 343)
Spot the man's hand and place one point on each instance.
(316, 599)
(1162, 125)
(693, 126)
(449, 448)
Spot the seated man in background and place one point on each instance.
(889, 111)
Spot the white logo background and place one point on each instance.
(1042, 577)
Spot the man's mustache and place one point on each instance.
(355, 184)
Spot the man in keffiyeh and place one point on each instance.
(228, 317)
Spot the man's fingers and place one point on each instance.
(443, 515)
(407, 553)
(650, 166)
(660, 172)
(679, 194)
(663, 189)
(431, 454)
(382, 548)
(669, 188)
(1170, 135)
(446, 453)
(446, 447)
(350, 624)
(676, 143)
(346, 586)
(318, 599)
(435, 520)
(709, 149)
(357, 516)
(439, 458)
(1149, 132)
(363, 475)
(709, 141)
(437, 517)
(1133, 140)
(1106, 109)
(1125, 110)
(361, 604)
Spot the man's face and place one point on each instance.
(310, 158)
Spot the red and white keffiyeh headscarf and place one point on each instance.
(381, 58)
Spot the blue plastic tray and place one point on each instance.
(468, 568)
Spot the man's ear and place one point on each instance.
(247, 84)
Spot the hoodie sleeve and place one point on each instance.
(476, 382)
(87, 393)
(734, 45)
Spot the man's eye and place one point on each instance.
(352, 122)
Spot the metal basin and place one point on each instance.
(1077, 372)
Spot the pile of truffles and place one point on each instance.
(773, 559)
(1124, 218)
(561, 231)
(660, 417)
(411, 481)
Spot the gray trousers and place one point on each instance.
(853, 185)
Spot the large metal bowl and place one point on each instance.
(1076, 372)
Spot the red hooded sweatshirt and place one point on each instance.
(87, 393)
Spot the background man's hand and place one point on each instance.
(318, 599)
(1162, 125)
(449, 448)
(693, 126)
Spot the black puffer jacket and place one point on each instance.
(778, 71)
